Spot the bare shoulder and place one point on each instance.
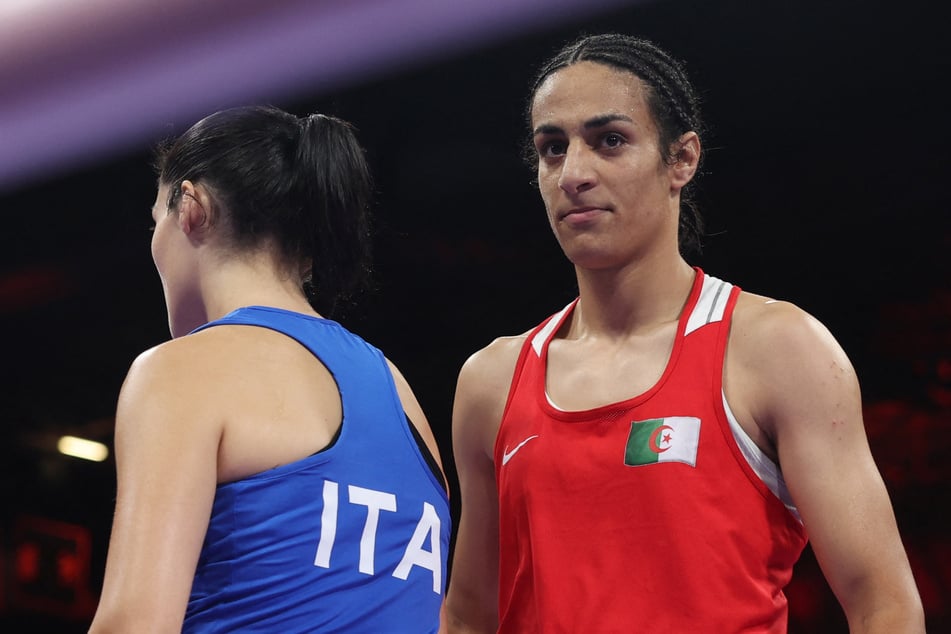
(785, 368)
(494, 364)
(217, 353)
(192, 346)
(486, 376)
(769, 329)
(481, 393)
(171, 390)
(165, 365)
(178, 375)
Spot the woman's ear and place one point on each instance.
(195, 209)
(686, 160)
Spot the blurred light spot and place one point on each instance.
(82, 448)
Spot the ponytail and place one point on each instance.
(335, 190)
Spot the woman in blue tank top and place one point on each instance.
(275, 472)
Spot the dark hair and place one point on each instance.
(302, 183)
(674, 103)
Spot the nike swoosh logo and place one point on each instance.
(507, 455)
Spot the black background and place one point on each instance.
(824, 185)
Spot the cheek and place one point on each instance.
(548, 186)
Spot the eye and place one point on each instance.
(613, 140)
(553, 148)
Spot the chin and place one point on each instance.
(592, 258)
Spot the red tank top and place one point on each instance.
(642, 515)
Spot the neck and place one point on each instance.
(631, 300)
(233, 282)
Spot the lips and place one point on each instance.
(581, 215)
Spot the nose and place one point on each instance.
(577, 169)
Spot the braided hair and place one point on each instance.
(673, 102)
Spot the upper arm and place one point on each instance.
(804, 393)
(414, 412)
(166, 442)
(481, 391)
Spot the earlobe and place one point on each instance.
(686, 159)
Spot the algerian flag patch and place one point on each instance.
(671, 439)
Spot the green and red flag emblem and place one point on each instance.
(671, 439)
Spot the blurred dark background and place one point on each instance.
(824, 185)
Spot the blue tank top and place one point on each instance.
(351, 539)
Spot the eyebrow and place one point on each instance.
(594, 122)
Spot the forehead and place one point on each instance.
(588, 89)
